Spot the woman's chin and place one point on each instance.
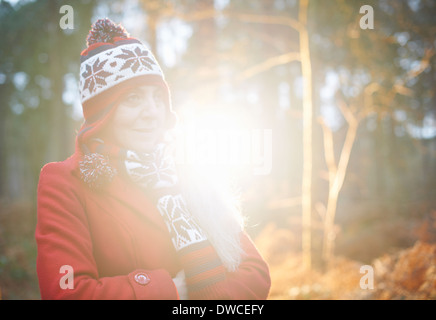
(144, 146)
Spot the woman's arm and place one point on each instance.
(63, 238)
(250, 282)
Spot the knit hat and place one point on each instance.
(112, 64)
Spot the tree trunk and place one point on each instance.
(335, 185)
(306, 68)
(57, 116)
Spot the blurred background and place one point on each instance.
(352, 113)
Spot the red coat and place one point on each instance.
(117, 244)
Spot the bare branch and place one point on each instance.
(266, 19)
(335, 188)
(171, 12)
(425, 62)
(328, 150)
(400, 89)
(268, 64)
(348, 114)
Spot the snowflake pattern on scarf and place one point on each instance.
(151, 170)
(183, 228)
(156, 171)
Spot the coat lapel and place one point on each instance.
(133, 197)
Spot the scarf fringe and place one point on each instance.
(216, 211)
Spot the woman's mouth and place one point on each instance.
(145, 130)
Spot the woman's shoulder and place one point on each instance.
(66, 170)
(59, 182)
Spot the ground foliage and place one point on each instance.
(405, 273)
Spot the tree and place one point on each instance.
(37, 126)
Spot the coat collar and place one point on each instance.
(127, 193)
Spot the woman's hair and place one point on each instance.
(217, 210)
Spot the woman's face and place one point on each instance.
(139, 120)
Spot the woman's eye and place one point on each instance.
(133, 98)
(159, 98)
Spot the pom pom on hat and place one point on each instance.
(105, 30)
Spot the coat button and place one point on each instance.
(142, 279)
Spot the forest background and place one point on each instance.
(351, 109)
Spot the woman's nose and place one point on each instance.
(148, 107)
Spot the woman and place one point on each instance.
(119, 216)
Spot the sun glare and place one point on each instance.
(223, 143)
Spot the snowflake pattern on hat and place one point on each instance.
(112, 66)
(95, 75)
(136, 59)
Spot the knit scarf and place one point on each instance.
(156, 174)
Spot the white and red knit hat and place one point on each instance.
(112, 64)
